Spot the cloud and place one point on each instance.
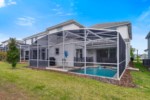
(145, 16)
(141, 27)
(25, 21)
(59, 10)
(4, 3)
(10, 2)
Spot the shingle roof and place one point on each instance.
(114, 24)
(148, 35)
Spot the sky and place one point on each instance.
(22, 18)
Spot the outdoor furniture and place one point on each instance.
(52, 61)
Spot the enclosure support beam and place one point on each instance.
(76, 35)
(37, 55)
(24, 54)
(94, 34)
(126, 53)
(29, 56)
(85, 37)
(20, 53)
(117, 55)
(100, 36)
(48, 51)
(63, 49)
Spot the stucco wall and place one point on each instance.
(66, 27)
(70, 48)
(123, 30)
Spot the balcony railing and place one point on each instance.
(107, 60)
(88, 59)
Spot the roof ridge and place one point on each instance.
(106, 23)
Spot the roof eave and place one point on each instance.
(35, 35)
(65, 23)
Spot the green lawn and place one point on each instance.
(27, 84)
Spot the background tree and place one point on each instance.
(132, 50)
(13, 52)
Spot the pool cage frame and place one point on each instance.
(23, 49)
(107, 38)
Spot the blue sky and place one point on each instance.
(21, 18)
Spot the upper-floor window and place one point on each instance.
(57, 51)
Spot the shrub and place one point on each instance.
(3, 56)
(138, 59)
(13, 53)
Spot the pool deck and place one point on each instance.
(60, 68)
(132, 69)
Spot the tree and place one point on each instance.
(13, 52)
(132, 50)
(138, 59)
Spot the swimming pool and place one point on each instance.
(97, 71)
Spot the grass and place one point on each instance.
(29, 84)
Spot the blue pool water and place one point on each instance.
(98, 71)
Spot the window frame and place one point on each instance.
(57, 51)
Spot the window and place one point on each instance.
(57, 51)
(43, 54)
(79, 53)
(34, 54)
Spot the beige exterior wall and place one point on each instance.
(66, 27)
(123, 30)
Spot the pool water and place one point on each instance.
(97, 71)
